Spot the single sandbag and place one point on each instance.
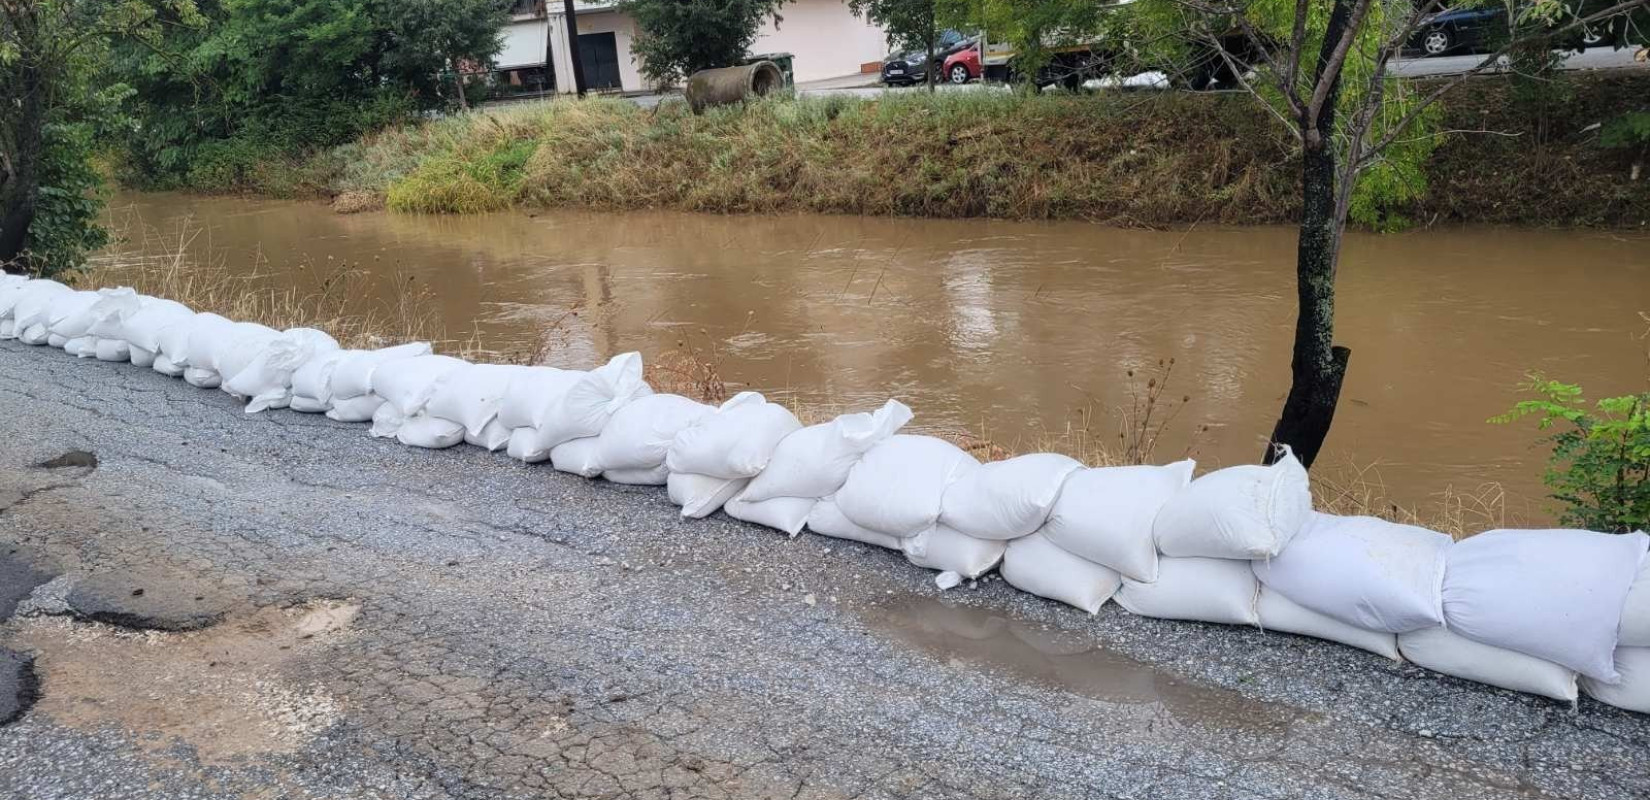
(788, 514)
(1105, 515)
(34, 335)
(70, 315)
(146, 327)
(424, 430)
(112, 350)
(1365, 572)
(532, 392)
(32, 305)
(947, 550)
(643, 476)
(701, 495)
(312, 382)
(1441, 651)
(174, 340)
(267, 379)
(1632, 692)
(814, 462)
(734, 442)
(898, 486)
(471, 395)
(1634, 630)
(1215, 590)
(579, 456)
(1036, 565)
(1007, 499)
(353, 375)
(587, 406)
(826, 519)
(492, 437)
(1242, 512)
(354, 409)
(1278, 613)
(141, 357)
(639, 434)
(1557, 595)
(408, 383)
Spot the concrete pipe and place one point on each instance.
(724, 85)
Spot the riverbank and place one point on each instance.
(401, 623)
(1139, 159)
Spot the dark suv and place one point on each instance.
(1477, 29)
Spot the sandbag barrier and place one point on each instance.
(1548, 612)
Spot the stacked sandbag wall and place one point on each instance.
(1552, 612)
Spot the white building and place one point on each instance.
(825, 39)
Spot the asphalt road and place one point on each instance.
(275, 605)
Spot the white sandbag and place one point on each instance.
(146, 327)
(246, 344)
(11, 288)
(1279, 613)
(163, 364)
(1441, 651)
(532, 391)
(470, 395)
(113, 308)
(1036, 565)
(1198, 589)
(1105, 515)
(897, 487)
(70, 315)
(1553, 594)
(492, 437)
(524, 446)
(1632, 692)
(814, 462)
(8, 329)
(354, 409)
(112, 350)
(826, 519)
(386, 420)
(424, 430)
(408, 383)
(141, 357)
(734, 442)
(57, 341)
(352, 377)
(35, 334)
(202, 378)
(639, 434)
(948, 550)
(1366, 572)
(643, 476)
(1239, 512)
(579, 456)
(80, 346)
(174, 340)
(788, 514)
(267, 379)
(312, 382)
(700, 495)
(1634, 630)
(587, 406)
(32, 305)
(1006, 499)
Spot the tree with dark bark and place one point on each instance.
(1322, 69)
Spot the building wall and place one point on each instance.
(523, 43)
(624, 31)
(827, 39)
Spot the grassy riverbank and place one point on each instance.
(1135, 159)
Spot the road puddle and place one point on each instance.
(971, 637)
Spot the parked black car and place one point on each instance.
(1484, 29)
(911, 66)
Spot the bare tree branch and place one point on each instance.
(1330, 69)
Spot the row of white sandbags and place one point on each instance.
(1163, 545)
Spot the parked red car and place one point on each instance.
(962, 66)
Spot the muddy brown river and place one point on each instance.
(1013, 330)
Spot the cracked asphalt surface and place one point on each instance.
(226, 605)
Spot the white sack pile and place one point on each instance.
(1552, 613)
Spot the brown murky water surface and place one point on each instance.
(1015, 329)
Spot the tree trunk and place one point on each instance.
(20, 187)
(1317, 366)
(573, 46)
(930, 61)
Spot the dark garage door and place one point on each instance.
(599, 55)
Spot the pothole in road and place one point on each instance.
(82, 459)
(225, 690)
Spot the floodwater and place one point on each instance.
(1069, 662)
(1012, 329)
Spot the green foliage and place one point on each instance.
(909, 24)
(1627, 131)
(676, 38)
(1600, 465)
(262, 81)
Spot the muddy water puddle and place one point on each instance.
(980, 638)
(1020, 331)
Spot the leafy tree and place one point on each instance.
(1321, 68)
(1600, 465)
(266, 79)
(910, 25)
(677, 38)
(50, 55)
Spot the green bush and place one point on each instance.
(1600, 464)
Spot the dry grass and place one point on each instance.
(1357, 490)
